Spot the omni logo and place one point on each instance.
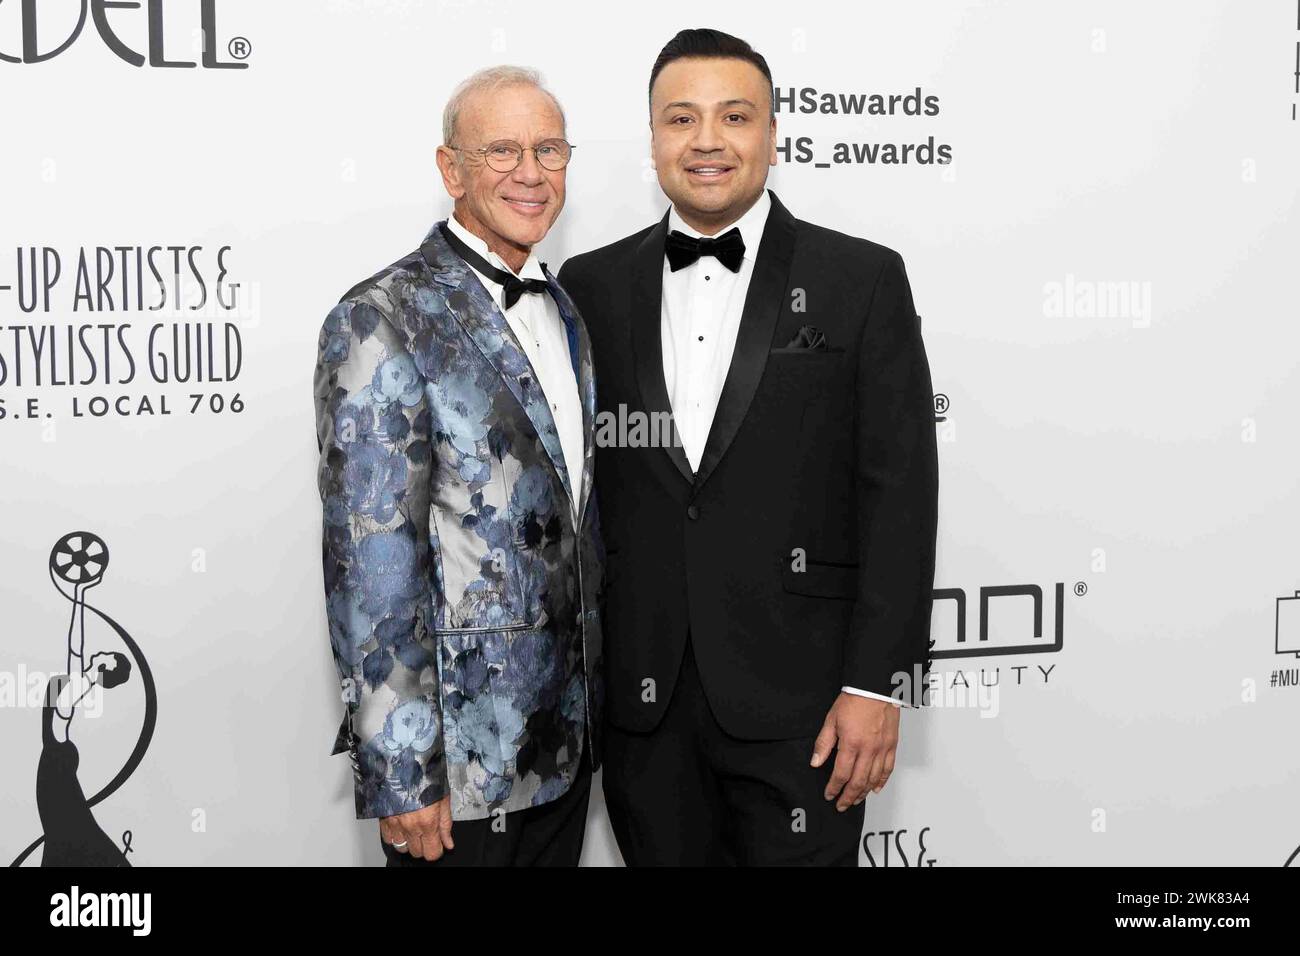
(28, 37)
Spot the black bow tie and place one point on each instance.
(513, 285)
(682, 250)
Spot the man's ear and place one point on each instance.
(452, 173)
(771, 160)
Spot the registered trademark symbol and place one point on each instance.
(1080, 588)
(240, 48)
(940, 403)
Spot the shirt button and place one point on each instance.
(693, 512)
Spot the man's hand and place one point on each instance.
(865, 733)
(423, 833)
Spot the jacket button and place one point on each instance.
(692, 512)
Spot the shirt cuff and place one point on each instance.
(867, 693)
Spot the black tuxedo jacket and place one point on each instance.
(822, 453)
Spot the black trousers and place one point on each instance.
(689, 794)
(546, 835)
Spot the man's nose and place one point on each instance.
(707, 138)
(529, 170)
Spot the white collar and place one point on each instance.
(532, 269)
(751, 224)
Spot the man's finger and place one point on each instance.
(824, 743)
(413, 842)
(432, 843)
(886, 770)
(394, 835)
(857, 785)
(444, 829)
(845, 758)
(874, 772)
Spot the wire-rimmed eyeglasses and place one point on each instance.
(503, 155)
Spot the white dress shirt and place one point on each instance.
(535, 321)
(699, 320)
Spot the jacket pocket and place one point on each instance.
(493, 628)
(821, 579)
(489, 689)
(789, 350)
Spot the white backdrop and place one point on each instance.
(1106, 273)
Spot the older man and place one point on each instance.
(454, 406)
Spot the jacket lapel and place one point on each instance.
(763, 304)
(476, 312)
(647, 341)
(585, 374)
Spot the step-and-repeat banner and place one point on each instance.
(1097, 206)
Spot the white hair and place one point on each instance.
(490, 78)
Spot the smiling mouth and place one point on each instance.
(526, 203)
(709, 172)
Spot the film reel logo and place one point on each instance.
(71, 835)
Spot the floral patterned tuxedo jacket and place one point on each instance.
(463, 603)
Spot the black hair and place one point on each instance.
(711, 44)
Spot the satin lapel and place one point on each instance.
(586, 378)
(647, 340)
(763, 303)
(469, 303)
